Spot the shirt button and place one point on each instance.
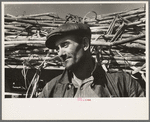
(92, 85)
(81, 88)
(69, 86)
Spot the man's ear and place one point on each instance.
(86, 44)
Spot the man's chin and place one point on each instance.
(69, 67)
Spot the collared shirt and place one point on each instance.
(84, 86)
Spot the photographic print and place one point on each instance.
(75, 54)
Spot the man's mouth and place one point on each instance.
(67, 59)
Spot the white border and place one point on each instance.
(65, 108)
(73, 2)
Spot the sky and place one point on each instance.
(62, 9)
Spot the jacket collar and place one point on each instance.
(98, 74)
(65, 77)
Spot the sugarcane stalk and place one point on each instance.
(129, 58)
(111, 27)
(25, 53)
(125, 70)
(126, 16)
(22, 55)
(130, 63)
(133, 11)
(99, 27)
(38, 19)
(26, 45)
(108, 20)
(26, 39)
(32, 22)
(128, 25)
(22, 49)
(31, 64)
(134, 23)
(9, 15)
(24, 42)
(127, 40)
(98, 30)
(96, 43)
(123, 19)
(46, 68)
(13, 27)
(42, 14)
(119, 32)
(41, 58)
(122, 36)
(135, 45)
(131, 32)
(15, 33)
(135, 15)
(138, 69)
(142, 26)
(56, 21)
(16, 24)
(140, 42)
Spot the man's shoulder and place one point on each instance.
(54, 80)
(119, 73)
(59, 78)
(120, 76)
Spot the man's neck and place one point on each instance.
(85, 69)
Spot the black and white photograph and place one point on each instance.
(75, 60)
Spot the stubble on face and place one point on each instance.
(73, 55)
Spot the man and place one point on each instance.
(82, 76)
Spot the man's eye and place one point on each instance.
(57, 49)
(65, 44)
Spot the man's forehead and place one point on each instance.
(66, 38)
(60, 41)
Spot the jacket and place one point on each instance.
(105, 84)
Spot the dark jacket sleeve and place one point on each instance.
(124, 85)
(133, 88)
(48, 89)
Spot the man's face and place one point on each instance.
(71, 52)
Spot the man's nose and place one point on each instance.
(61, 51)
(62, 54)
